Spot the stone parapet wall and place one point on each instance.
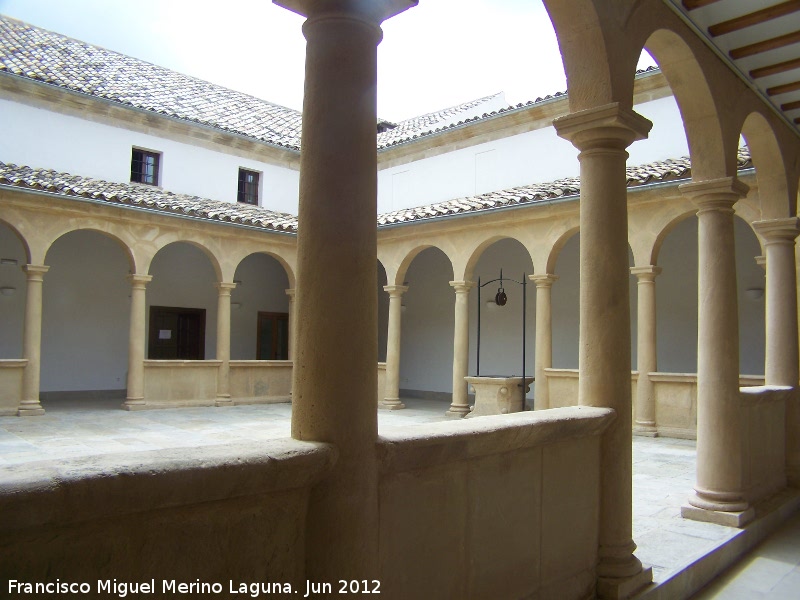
(215, 513)
(467, 507)
(11, 372)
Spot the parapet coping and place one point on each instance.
(77, 490)
(433, 444)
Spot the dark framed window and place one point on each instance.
(144, 166)
(248, 187)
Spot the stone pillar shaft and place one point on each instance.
(334, 390)
(32, 341)
(224, 343)
(719, 428)
(544, 338)
(459, 406)
(136, 341)
(602, 135)
(391, 398)
(646, 350)
(781, 366)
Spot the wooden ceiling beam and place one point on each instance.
(755, 18)
(765, 46)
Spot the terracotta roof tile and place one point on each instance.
(54, 59)
(145, 196)
(661, 171)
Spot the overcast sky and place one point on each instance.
(439, 54)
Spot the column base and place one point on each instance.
(624, 587)
(391, 404)
(458, 411)
(224, 401)
(645, 429)
(134, 404)
(727, 518)
(30, 408)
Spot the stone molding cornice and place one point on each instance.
(35, 272)
(462, 287)
(607, 127)
(395, 291)
(715, 194)
(543, 281)
(778, 230)
(139, 281)
(647, 273)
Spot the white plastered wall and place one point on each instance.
(39, 138)
(537, 156)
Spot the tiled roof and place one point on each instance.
(430, 123)
(145, 196)
(48, 57)
(156, 199)
(655, 172)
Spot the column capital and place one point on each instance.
(777, 230)
(715, 194)
(647, 273)
(374, 10)
(291, 293)
(224, 287)
(462, 287)
(137, 280)
(608, 126)
(544, 281)
(395, 291)
(35, 271)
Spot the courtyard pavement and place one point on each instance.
(663, 468)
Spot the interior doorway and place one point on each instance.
(177, 333)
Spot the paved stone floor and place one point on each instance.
(663, 468)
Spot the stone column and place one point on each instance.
(781, 366)
(136, 342)
(459, 407)
(30, 406)
(334, 390)
(646, 350)
(292, 324)
(391, 398)
(718, 492)
(602, 134)
(544, 339)
(224, 343)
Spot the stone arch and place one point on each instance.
(21, 238)
(287, 268)
(126, 248)
(402, 270)
(666, 230)
(558, 246)
(85, 297)
(596, 59)
(481, 248)
(212, 258)
(713, 153)
(774, 193)
(258, 301)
